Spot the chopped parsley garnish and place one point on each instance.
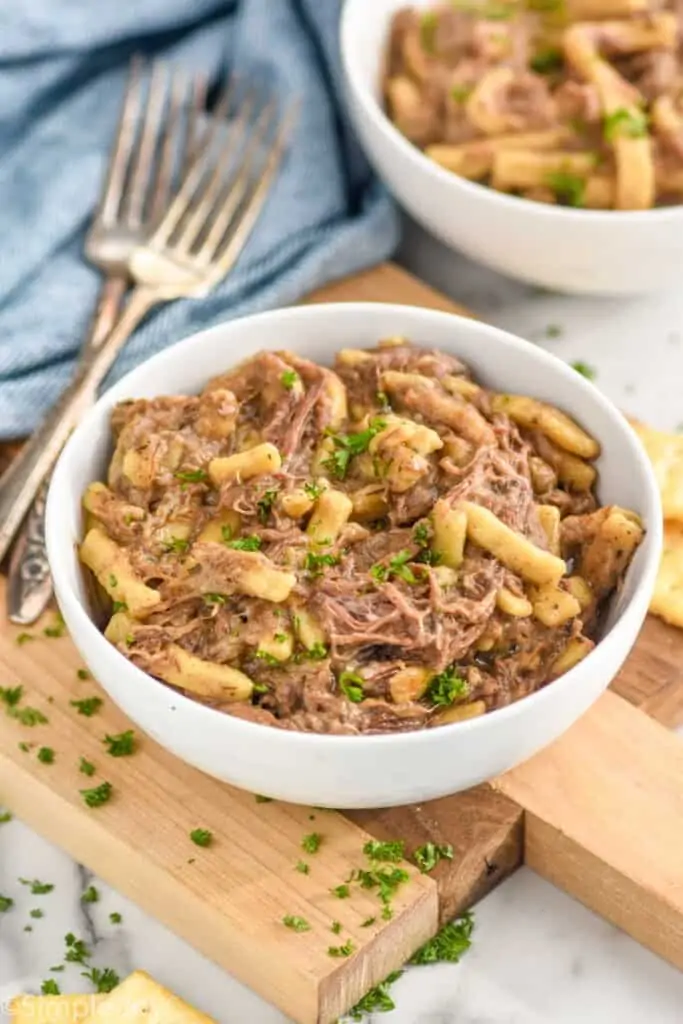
(214, 598)
(377, 1000)
(10, 696)
(99, 795)
(58, 968)
(348, 445)
(24, 747)
(201, 837)
(428, 25)
(570, 189)
(289, 379)
(422, 535)
(585, 369)
(86, 767)
(297, 924)
(46, 755)
(5, 904)
(250, 543)
(269, 659)
(191, 476)
(351, 685)
(119, 606)
(317, 652)
(390, 851)
(387, 880)
(449, 944)
(36, 913)
(368, 921)
(28, 716)
(122, 744)
(397, 567)
(50, 988)
(37, 887)
(91, 895)
(336, 927)
(460, 93)
(314, 564)
(280, 638)
(342, 892)
(262, 799)
(313, 490)
(311, 843)
(5, 817)
(625, 124)
(177, 545)
(88, 706)
(446, 687)
(346, 950)
(115, 917)
(428, 855)
(103, 978)
(302, 867)
(546, 61)
(24, 638)
(57, 629)
(129, 639)
(265, 504)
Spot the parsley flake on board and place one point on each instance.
(28, 716)
(260, 799)
(57, 629)
(342, 892)
(11, 695)
(82, 674)
(86, 767)
(23, 638)
(348, 445)
(428, 855)
(446, 687)
(368, 921)
(390, 851)
(91, 895)
(302, 867)
(46, 755)
(311, 843)
(336, 927)
(297, 924)
(201, 837)
(88, 706)
(120, 745)
(351, 685)
(50, 988)
(99, 795)
(346, 950)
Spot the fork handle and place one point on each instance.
(29, 585)
(21, 482)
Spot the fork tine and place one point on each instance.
(251, 211)
(123, 145)
(161, 187)
(238, 187)
(194, 130)
(143, 165)
(194, 177)
(197, 217)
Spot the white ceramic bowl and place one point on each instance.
(583, 251)
(356, 771)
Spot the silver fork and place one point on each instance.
(151, 141)
(195, 245)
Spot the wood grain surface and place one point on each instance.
(598, 813)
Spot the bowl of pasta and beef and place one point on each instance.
(384, 559)
(540, 137)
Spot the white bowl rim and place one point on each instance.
(59, 552)
(420, 162)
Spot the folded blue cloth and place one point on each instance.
(63, 65)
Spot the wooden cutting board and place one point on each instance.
(600, 814)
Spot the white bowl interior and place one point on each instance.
(204, 736)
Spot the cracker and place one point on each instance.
(665, 452)
(667, 599)
(141, 1000)
(53, 1009)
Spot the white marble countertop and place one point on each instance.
(537, 957)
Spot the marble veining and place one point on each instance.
(538, 957)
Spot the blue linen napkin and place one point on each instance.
(63, 66)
